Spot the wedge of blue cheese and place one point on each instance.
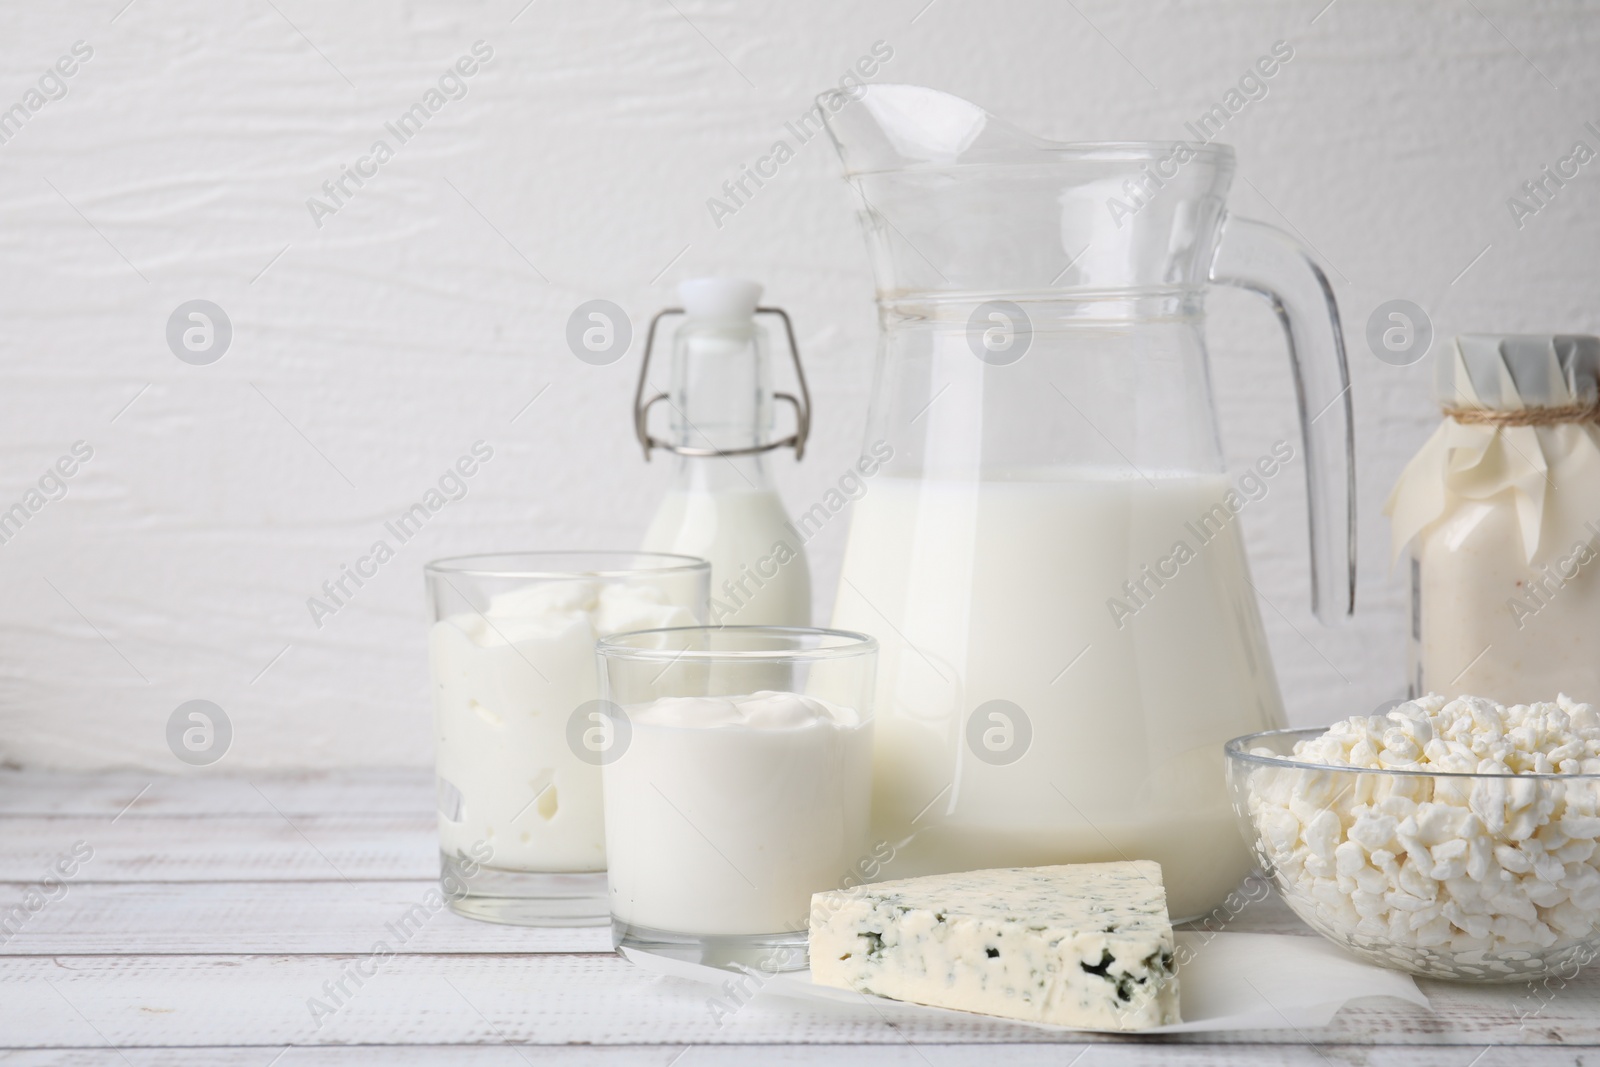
(1087, 945)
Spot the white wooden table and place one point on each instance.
(213, 909)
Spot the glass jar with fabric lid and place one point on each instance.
(1501, 511)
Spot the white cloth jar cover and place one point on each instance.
(1502, 509)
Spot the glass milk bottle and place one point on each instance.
(722, 506)
(1501, 510)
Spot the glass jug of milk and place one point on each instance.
(722, 506)
(1052, 561)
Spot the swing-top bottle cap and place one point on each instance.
(719, 298)
(726, 310)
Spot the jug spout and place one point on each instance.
(955, 200)
(902, 125)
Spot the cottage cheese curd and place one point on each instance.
(1456, 876)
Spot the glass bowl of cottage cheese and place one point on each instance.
(1451, 838)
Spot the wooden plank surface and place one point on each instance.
(463, 999)
(921, 1055)
(563, 999)
(214, 909)
(257, 848)
(380, 791)
(280, 918)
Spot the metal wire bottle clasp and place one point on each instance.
(801, 405)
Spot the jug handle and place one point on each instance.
(1263, 259)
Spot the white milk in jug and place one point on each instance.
(1112, 618)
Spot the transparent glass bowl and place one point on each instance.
(1472, 877)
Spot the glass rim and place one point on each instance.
(1238, 749)
(477, 564)
(851, 643)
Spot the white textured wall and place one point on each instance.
(419, 319)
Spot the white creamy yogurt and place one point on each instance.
(1490, 623)
(725, 814)
(505, 685)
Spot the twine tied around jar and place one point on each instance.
(1509, 445)
(1549, 415)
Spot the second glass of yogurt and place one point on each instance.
(738, 786)
(520, 734)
